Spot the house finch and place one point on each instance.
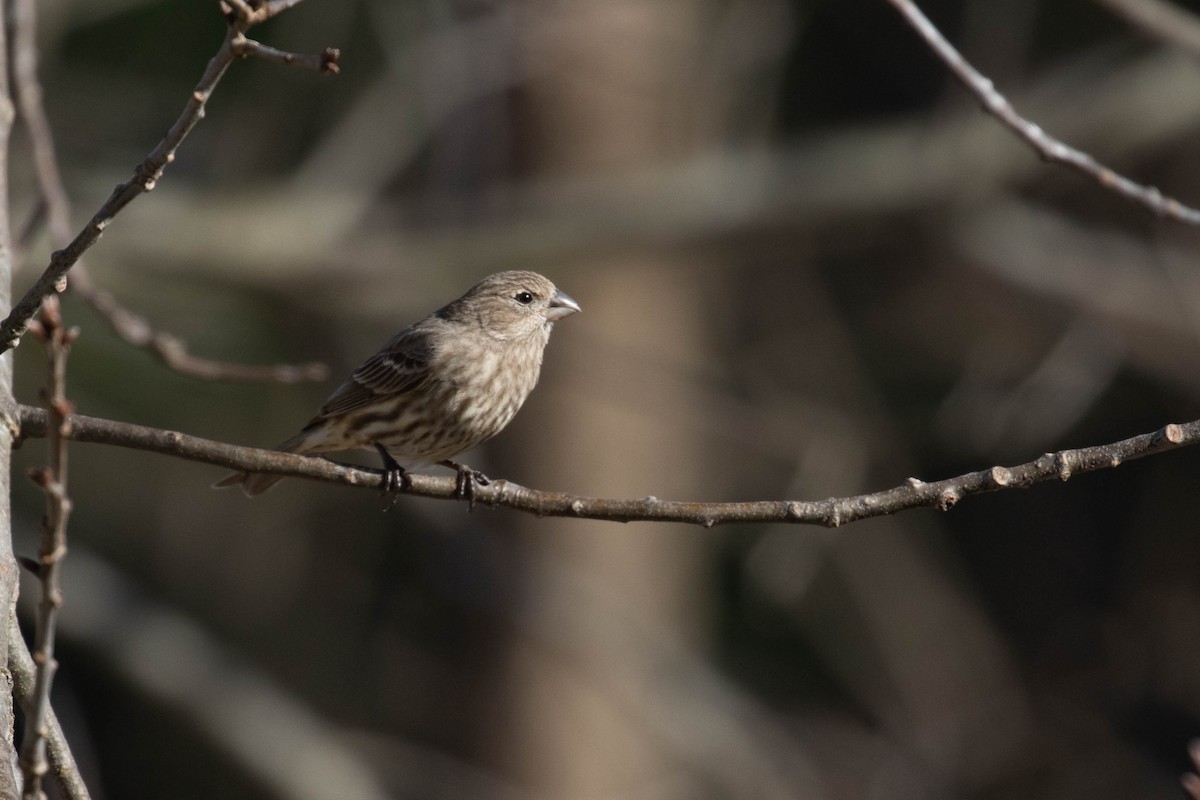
(440, 386)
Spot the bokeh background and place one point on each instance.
(809, 266)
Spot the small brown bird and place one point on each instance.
(439, 387)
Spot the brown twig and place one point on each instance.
(241, 17)
(833, 512)
(62, 761)
(1045, 145)
(133, 329)
(53, 480)
(325, 61)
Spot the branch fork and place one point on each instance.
(240, 15)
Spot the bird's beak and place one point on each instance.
(561, 305)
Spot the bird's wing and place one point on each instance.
(400, 367)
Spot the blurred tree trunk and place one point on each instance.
(618, 94)
(8, 566)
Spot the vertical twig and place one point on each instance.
(53, 480)
(28, 90)
(62, 761)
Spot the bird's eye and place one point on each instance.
(524, 298)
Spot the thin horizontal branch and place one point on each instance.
(144, 178)
(1048, 147)
(833, 512)
(325, 61)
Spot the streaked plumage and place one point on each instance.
(442, 385)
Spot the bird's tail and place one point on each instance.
(255, 483)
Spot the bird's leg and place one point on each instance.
(395, 478)
(464, 484)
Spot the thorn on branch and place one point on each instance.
(42, 476)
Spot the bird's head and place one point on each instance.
(513, 305)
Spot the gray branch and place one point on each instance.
(62, 762)
(913, 493)
(1046, 146)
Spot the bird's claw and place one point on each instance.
(395, 479)
(465, 482)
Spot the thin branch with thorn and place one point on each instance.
(241, 16)
(834, 512)
(53, 481)
(62, 761)
(1044, 144)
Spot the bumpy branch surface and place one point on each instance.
(62, 762)
(1045, 145)
(241, 16)
(833, 512)
(53, 480)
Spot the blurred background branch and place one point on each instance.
(1160, 19)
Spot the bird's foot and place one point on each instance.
(466, 481)
(395, 478)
